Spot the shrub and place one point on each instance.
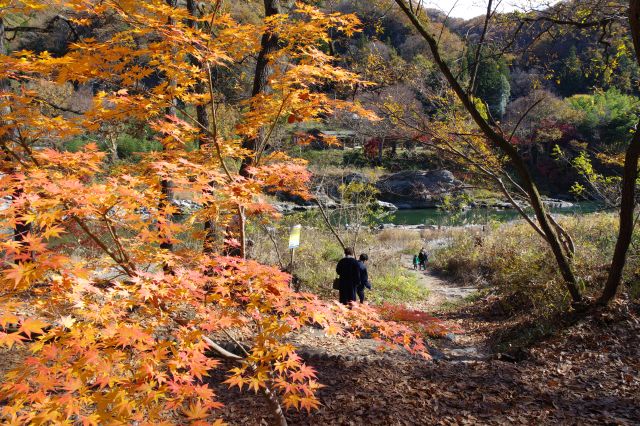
(332, 252)
(518, 264)
(607, 116)
(75, 144)
(396, 286)
(129, 146)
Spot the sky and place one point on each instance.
(472, 8)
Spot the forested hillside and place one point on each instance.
(581, 79)
(319, 212)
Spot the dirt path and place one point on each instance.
(440, 291)
(460, 347)
(463, 346)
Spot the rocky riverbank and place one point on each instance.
(406, 190)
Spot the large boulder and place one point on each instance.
(384, 206)
(417, 189)
(557, 204)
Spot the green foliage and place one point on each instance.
(598, 186)
(397, 286)
(455, 202)
(492, 86)
(408, 157)
(571, 78)
(75, 144)
(582, 164)
(322, 158)
(481, 107)
(129, 146)
(332, 252)
(356, 192)
(355, 158)
(519, 266)
(607, 117)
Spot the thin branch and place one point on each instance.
(220, 350)
(476, 66)
(46, 29)
(526, 113)
(263, 142)
(275, 246)
(56, 106)
(328, 222)
(103, 246)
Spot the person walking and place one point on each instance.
(348, 270)
(416, 261)
(422, 258)
(364, 277)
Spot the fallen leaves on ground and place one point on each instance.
(588, 374)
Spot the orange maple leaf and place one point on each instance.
(29, 326)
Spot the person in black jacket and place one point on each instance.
(423, 258)
(349, 272)
(364, 277)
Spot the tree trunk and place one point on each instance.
(166, 186)
(509, 150)
(629, 177)
(268, 45)
(20, 229)
(208, 244)
(200, 88)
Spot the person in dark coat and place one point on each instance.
(349, 272)
(422, 258)
(364, 277)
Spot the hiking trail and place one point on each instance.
(460, 347)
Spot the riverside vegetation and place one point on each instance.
(149, 147)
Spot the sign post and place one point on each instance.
(294, 242)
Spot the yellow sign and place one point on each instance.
(294, 238)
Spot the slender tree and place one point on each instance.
(268, 45)
(501, 142)
(629, 178)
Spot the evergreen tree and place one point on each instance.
(492, 86)
(571, 78)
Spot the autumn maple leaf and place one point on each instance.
(30, 325)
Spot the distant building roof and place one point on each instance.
(339, 133)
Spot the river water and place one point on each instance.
(474, 216)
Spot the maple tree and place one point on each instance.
(117, 310)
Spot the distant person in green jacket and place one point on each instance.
(416, 261)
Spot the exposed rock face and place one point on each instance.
(417, 189)
(557, 204)
(505, 205)
(384, 206)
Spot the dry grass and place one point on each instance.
(518, 264)
(319, 251)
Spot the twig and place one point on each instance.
(329, 225)
(103, 246)
(275, 246)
